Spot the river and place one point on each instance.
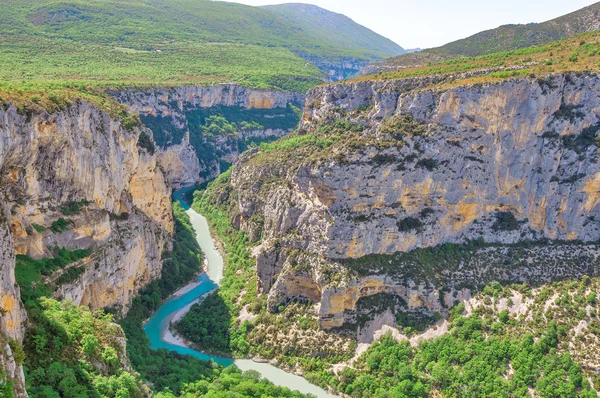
(157, 328)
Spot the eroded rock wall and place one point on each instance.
(174, 115)
(12, 314)
(82, 155)
(498, 162)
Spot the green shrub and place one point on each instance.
(70, 275)
(145, 142)
(39, 228)
(409, 224)
(17, 351)
(60, 225)
(72, 208)
(505, 221)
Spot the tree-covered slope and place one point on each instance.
(503, 38)
(107, 42)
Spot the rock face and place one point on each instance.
(176, 116)
(412, 166)
(76, 179)
(12, 314)
(344, 68)
(180, 163)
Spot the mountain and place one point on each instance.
(504, 38)
(339, 29)
(108, 42)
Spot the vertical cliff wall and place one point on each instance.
(384, 172)
(12, 314)
(193, 145)
(77, 179)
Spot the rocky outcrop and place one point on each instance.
(114, 273)
(176, 115)
(410, 166)
(76, 179)
(340, 69)
(167, 101)
(180, 163)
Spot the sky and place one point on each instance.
(432, 23)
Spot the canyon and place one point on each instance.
(77, 177)
(176, 116)
(237, 200)
(504, 173)
(416, 194)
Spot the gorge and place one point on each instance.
(211, 206)
(177, 306)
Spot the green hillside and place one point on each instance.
(341, 30)
(503, 38)
(149, 42)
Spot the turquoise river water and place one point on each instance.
(157, 328)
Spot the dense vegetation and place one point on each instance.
(208, 324)
(230, 382)
(170, 372)
(74, 352)
(78, 43)
(503, 38)
(467, 364)
(69, 351)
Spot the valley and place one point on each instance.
(158, 327)
(209, 199)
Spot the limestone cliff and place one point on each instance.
(77, 179)
(177, 115)
(390, 170)
(12, 314)
(340, 69)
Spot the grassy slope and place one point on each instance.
(577, 54)
(503, 38)
(149, 42)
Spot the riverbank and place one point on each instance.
(169, 335)
(179, 303)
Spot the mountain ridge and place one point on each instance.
(503, 38)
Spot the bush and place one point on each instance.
(409, 224)
(60, 225)
(72, 208)
(39, 228)
(429, 164)
(17, 351)
(145, 142)
(505, 221)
